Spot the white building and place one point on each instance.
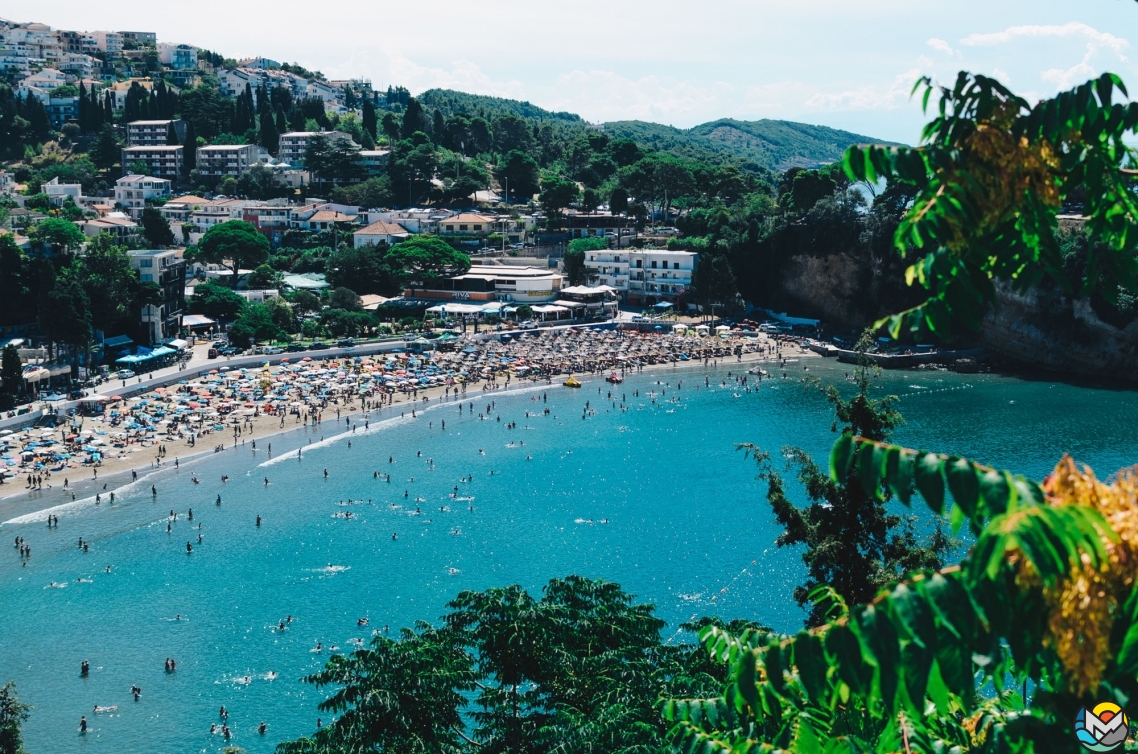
(167, 269)
(45, 78)
(232, 81)
(180, 57)
(14, 60)
(146, 38)
(78, 64)
(657, 275)
(116, 223)
(379, 232)
(153, 133)
(133, 191)
(160, 161)
(58, 192)
(109, 42)
(324, 91)
(642, 276)
(258, 63)
(294, 143)
(226, 159)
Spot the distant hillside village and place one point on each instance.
(242, 196)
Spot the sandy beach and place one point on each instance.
(133, 457)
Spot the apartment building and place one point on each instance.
(374, 161)
(232, 81)
(229, 159)
(167, 268)
(134, 191)
(109, 42)
(180, 57)
(116, 224)
(657, 275)
(160, 161)
(79, 64)
(153, 133)
(294, 143)
(145, 38)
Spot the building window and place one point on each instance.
(146, 263)
(639, 263)
(675, 265)
(653, 265)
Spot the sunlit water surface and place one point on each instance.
(655, 498)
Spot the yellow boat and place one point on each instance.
(572, 382)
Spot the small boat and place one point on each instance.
(758, 371)
(614, 378)
(572, 382)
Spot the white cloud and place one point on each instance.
(942, 46)
(867, 97)
(1002, 76)
(604, 95)
(1094, 37)
(1069, 78)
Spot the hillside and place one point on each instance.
(452, 102)
(775, 144)
(770, 144)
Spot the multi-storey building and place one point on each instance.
(617, 227)
(160, 161)
(167, 268)
(109, 42)
(294, 144)
(153, 133)
(133, 191)
(228, 159)
(374, 161)
(180, 57)
(657, 275)
(140, 37)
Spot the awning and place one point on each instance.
(456, 309)
(548, 309)
(117, 341)
(664, 305)
(197, 320)
(570, 304)
(36, 374)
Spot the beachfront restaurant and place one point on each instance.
(147, 360)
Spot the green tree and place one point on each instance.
(59, 234)
(521, 172)
(853, 544)
(11, 370)
(713, 281)
(254, 324)
(235, 241)
(305, 301)
(268, 136)
(217, 301)
(13, 713)
(346, 299)
(155, 229)
(17, 284)
(366, 269)
(556, 195)
(105, 150)
(424, 258)
(65, 312)
(108, 280)
(263, 277)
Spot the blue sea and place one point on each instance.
(656, 498)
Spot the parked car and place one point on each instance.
(527, 323)
(124, 374)
(220, 343)
(272, 350)
(295, 348)
(346, 342)
(318, 346)
(211, 353)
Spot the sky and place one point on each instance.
(847, 64)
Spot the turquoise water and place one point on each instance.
(687, 529)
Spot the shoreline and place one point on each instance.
(266, 427)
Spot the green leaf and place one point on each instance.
(929, 481)
(840, 457)
(899, 473)
(810, 658)
(996, 491)
(869, 461)
(964, 486)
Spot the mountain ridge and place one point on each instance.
(765, 143)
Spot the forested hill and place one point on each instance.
(772, 144)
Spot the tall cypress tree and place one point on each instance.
(282, 122)
(108, 108)
(270, 138)
(171, 135)
(263, 105)
(368, 120)
(190, 153)
(84, 120)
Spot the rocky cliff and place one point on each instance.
(1041, 329)
(1046, 330)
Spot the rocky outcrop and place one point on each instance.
(1046, 330)
(1040, 329)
